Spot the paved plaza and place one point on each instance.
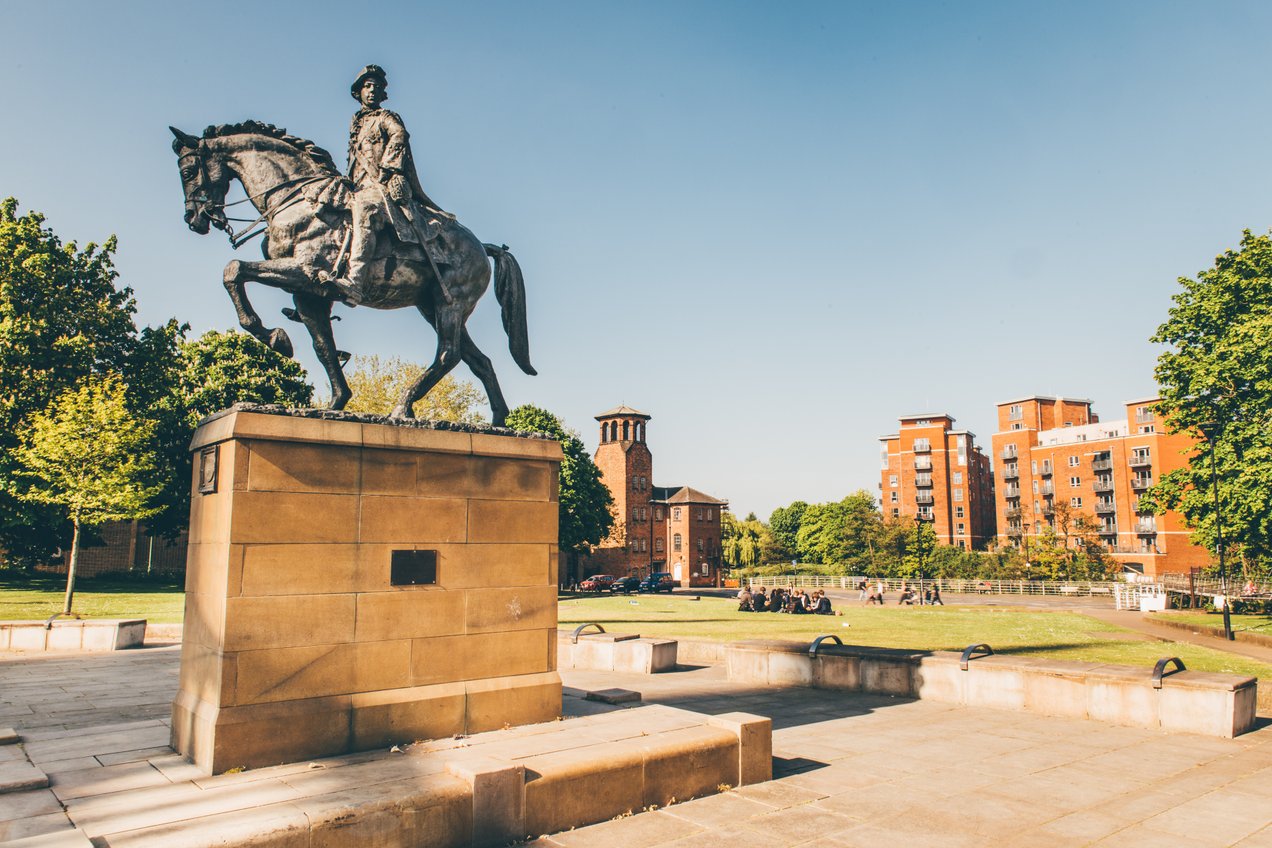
(850, 770)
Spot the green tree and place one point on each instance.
(1216, 380)
(90, 457)
(920, 543)
(586, 507)
(62, 320)
(783, 527)
(741, 541)
(378, 383)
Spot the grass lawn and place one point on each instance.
(38, 597)
(1253, 623)
(1065, 635)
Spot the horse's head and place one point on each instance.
(204, 181)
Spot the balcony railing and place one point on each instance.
(923, 463)
(1102, 464)
(1012, 512)
(1011, 472)
(1108, 529)
(1011, 491)
(1141, 461)
(1047, 488)
(923, 497)
(1102, 485)
(1048, 509)
(927, 515)
(1015, 532)
(1103, 507)
(1141, 482)
(1046, 468)
(1146, 528)
(924, 480)
(923, 447)
(1010, 452)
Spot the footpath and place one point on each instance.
(1140, 623)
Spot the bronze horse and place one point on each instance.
(302, 200)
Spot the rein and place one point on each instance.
(292, 197)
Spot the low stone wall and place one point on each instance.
(102, 634)
(1214, 631)
(1188, 701)
(626, 652)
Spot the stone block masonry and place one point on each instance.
(300, 641)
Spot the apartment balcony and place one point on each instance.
(1146, 528)
(923, 463)
(1141, 461)
(1102, 485)
(1015, 532)
(1011, 491)
(1011, 472)
(1103, 508)
(1108, 530)
(924, 480)
(923, 497)
(1010, 452)
(1045, 469)
(1141, 482)
(925, 515)
(1102, 464)
(1012, 512)
(1047, 488)
(1048, 509)
(922, 447)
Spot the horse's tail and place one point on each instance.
(510, 291)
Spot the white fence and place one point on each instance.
(1074, 588)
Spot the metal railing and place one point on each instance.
(1141, 482)
(1102, 486)
(1012, 512)
(893, 585)
(1102, 464)
(1010, 452)
(1140, 461)
(1102, 507)
(924, 480)
(1011, 472)
(1011, 492)
(1047, 488)
(923, 463)
(1046, 468)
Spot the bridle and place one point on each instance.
(222, 221)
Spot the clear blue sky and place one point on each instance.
(773, 227)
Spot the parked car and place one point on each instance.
(596, 583)
(659, 581)
(626, 585)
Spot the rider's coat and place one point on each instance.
(380, 147)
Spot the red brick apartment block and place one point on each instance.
(656, 528)
(936, 473)
(1052, 450)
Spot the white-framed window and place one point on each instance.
(956, 477)
(1037, 506)
(962, 544)
(892, 499)
(923, 444)
(1073, 462)
(1075, 502)
(958, 512)
(644, 545)
(1140, 453)
(962, 528)
(883, 456)
(701, 544)
(895, 512)
(1035, 487)
(1033, 466)
(658, 513)
(1017, 426)
(1148, 428)
(677, 544)
(958, 494)
(675, 515)
(1075, 482)
(962, 450)
(1015, 412)
(892, 480)
(710, 514)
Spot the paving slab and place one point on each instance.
(18, 776)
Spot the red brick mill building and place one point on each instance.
(656, 528)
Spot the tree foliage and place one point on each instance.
(741, 541)
(784, 525)
(378, 383)
(586, 508)
(1216, 378)
(89, 457)
(62, 320)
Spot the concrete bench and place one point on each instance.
(94, 634)
(626, 652)
(1189, 701)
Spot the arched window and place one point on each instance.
(626, 431)
(675, 515)
(676, 542)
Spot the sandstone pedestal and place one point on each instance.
(355, 585)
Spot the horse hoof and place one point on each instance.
(281, 342)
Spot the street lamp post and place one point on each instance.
(1024, 537)
(1211, 433)
(918, 552)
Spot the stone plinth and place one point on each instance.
(68, 634)
(297, 641)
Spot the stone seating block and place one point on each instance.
(755, 745)
(498, 791)
(1213, 704)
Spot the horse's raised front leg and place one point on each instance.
(315, 313)
(450, 327)
(281, 273)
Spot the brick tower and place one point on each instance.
(627, 469)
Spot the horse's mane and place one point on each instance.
(316, 154)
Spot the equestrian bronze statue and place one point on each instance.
(372, 238)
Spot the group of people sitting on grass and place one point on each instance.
(794, 601)
(931, 594)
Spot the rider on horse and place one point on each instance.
(388, 191)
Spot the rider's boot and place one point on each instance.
(342, 288)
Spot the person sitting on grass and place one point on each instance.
(744, 599)
(777, 599)
(907, 597)
(821, 603)
(759, 600)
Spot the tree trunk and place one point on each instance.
(70, 572)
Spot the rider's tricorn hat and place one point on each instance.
(367, 72)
